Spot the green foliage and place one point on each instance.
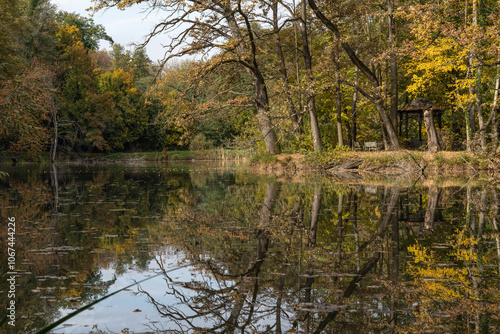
(3, 175)
(109, 102)
(90, 33)
(85, 111)
(129, 117)
(37, 37)
(9, 25)
(328, 157)
(200, 143)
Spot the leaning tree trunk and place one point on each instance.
(266, 127)
(284, 75)
(369, 74)
(353, 109)
(432, 136)
(252, 68)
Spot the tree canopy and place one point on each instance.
(277, 76)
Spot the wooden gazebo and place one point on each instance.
(415, 110)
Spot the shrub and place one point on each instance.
(200, 143)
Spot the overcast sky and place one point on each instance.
(125, 27)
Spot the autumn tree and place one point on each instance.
(222, 27)
(26, 103)
(86, 111)
(90, 33)
(453, 50)
(128, 115)
(375, 94)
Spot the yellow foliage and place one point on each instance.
(443, 56)
(439, 283)
(68, 35)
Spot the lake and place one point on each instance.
(212, 248)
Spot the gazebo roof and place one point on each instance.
(419, 105)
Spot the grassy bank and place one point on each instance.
(381, 162)
(213, 155)
(216, 154)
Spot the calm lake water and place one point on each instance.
(216, 249)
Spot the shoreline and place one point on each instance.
(386, 163)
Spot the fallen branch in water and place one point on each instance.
(422, 168)
(81, 309)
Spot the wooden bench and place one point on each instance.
(370, 146)
(356, 146)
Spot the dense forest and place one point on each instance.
(278, 76)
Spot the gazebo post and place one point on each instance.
(406, 126)
(399, 123)
(420, 128)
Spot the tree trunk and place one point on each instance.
(53, 147)
(266, 127)
(480, 112)
(252, 68)
(496, 230)
(393, 67)
(311, 99)
(433, 142)
(377, 101)
(477, 87)
(284, 75)
(494, 123)
(338, 89)
(391, 132)
(353, 109)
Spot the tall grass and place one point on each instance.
(212, 154)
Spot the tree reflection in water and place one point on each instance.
(314, 256)
(311, 261)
